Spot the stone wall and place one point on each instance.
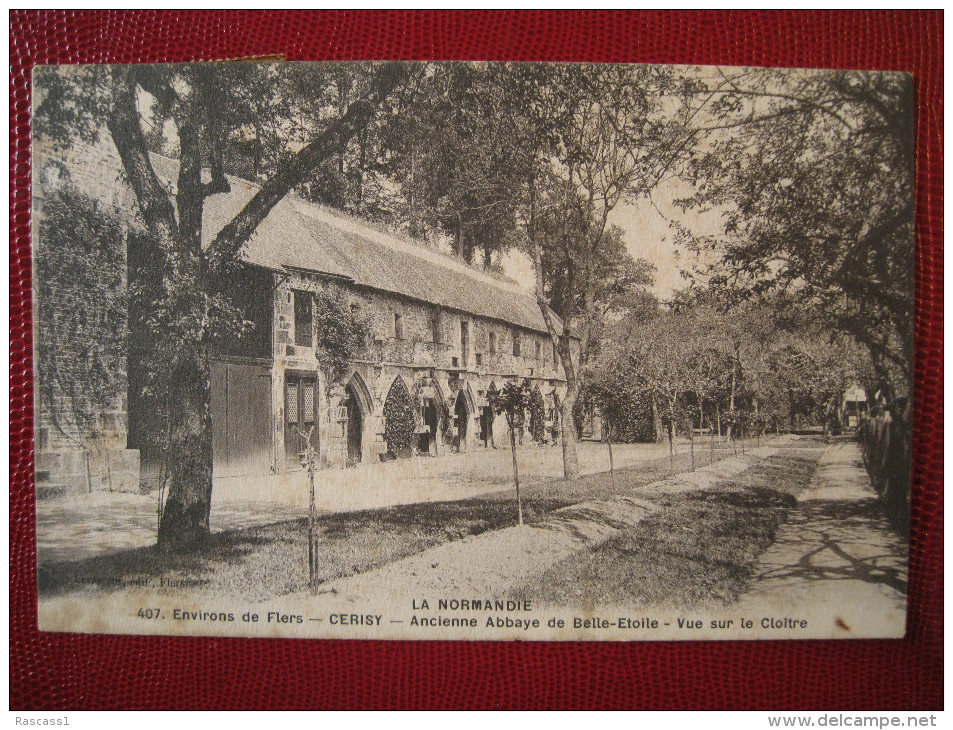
(80, 329)
(402, 345)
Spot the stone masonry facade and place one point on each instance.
(80, 432)
(422, 344)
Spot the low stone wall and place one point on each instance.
(95, 470)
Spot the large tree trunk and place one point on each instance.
(185, 516)
(569, 436)
(563, 344)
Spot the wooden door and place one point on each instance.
(241, 419)
(301, 415)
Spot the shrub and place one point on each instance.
(399, 421)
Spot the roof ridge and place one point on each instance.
(406, 244)
(381, 234)
(287, 238)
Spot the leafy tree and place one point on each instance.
(512, 401)
(813, 176)
(611, 391)
(650, 357)
(199, 109)
(593, 136)
(453, 158)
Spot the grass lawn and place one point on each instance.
(698, 549)
(272, 560)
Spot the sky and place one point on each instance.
(647, 236)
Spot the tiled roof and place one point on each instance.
(305, 236)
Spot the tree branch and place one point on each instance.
(228, 243)
(126, 132)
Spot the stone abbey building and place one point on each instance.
(441, 337)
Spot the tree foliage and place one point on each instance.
(747, 367)
(813, 175)
(399, 421)
(81, 310)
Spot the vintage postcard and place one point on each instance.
(482, 351)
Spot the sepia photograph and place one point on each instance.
(477, 351)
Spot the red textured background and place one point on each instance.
(70, 671)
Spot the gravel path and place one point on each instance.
(76, 526)
(837, 549)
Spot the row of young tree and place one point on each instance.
(811, 174)
(696, 366)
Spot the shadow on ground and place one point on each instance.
(699, 549)
(261, 562)
(272, 559)
(847, 541)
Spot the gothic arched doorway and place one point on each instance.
(358, 405)
(355, 426)
(427, 442)
(486, 417)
